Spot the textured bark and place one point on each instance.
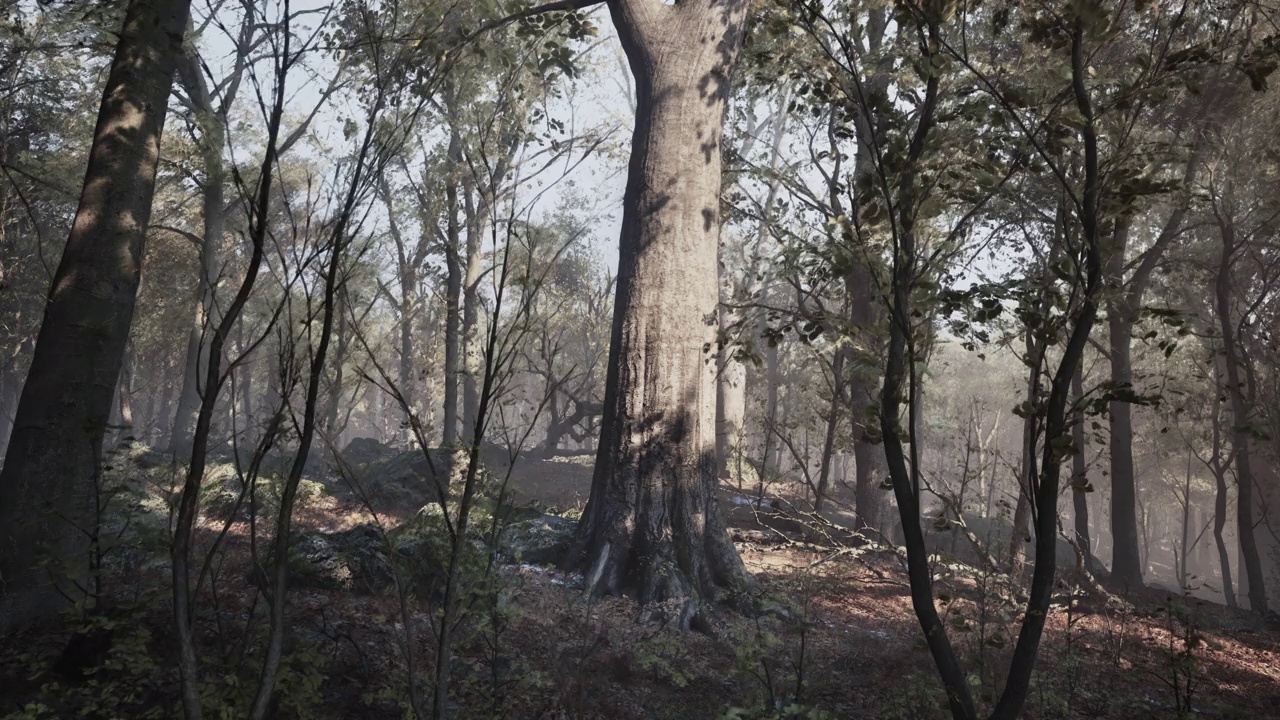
(46, 487)
(1016, 555)
(653, 526)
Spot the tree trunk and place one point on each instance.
(833, 422)
(46, 487)
(212, 137)
(10, 388)
(731, 402)
(1240, 422)
(245, 371)
(1021, 534)
(408, 388)
(652, 526)
(1079, 476)
(867, 317)
(1126, 565)
(772, 381)
(453, 299)
(124, 401)
(471, 299)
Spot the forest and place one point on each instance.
(627, 359)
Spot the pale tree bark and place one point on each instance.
(653, 526)
(47, 484)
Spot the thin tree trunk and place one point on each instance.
(1122, 312)
(772, 381)
(46, 487)
(204, 316)
(471, 299)
(1080, 478)
(731, 401)
(1240, 419)
(453, 298)
(833, 422)
(1126, 564)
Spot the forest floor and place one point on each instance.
(839, 640)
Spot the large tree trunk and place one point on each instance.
(653, 525)
(46, 487)
(1240, 438)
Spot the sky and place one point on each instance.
(598, 99)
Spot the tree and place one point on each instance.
(652, 526)
(47, 484)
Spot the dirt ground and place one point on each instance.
(838, 636)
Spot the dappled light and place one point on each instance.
(639, 359)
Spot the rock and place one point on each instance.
(353, 560)
(363, 451)
(539, 541)
(405, 478)
(221, 492)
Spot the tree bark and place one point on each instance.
(472, 360)
(652, 526)
(1020, 537)
(46, 487)
(731, 397)
(453, 297)
(212, 138)
(1079, 476)
(829, 439)
(1126, 564)
(866, 315)
(1122, 313)
(1240, 430)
